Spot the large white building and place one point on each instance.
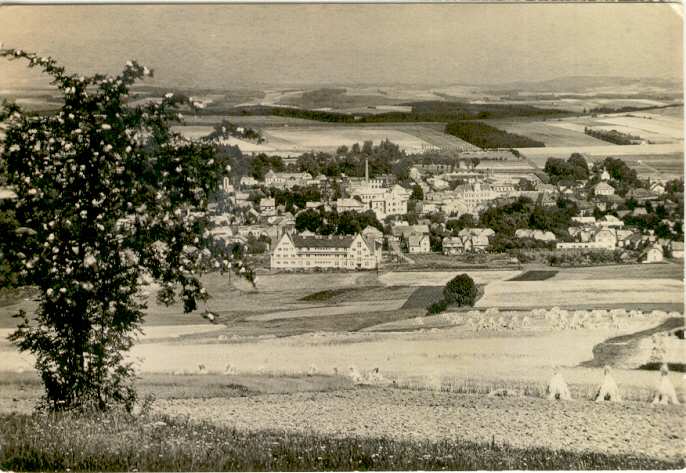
(287, 180)
(383, 201)
(336, 252)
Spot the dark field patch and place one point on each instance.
(534, 276)
(423, 297)
(327, 294)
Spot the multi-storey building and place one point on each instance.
(287, 180)
(335, 252)
(383, 201)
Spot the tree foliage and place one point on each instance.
(575, 168)
(107, 193)
(460, 290)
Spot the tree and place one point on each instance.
(460, 290)
(106, 194)
(417, 193)
(310, 220)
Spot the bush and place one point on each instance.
(460, 290)
(437, 307)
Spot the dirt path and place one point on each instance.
(629, 428)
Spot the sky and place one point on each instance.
(252, 46)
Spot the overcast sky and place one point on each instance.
(279, 45)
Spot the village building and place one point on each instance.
(287, 180)
(452, 246)
(654, 254)
(405, 230)
(267, 206)
(678, 249)
(383, 201)
(343, 205)
(418, 244)
(641, 195)
(535, 234)
(332, 252)
(248, 181)
(610, 221)
(372, 234)
(603, 188)
(475, 239)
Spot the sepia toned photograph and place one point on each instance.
(342, 237)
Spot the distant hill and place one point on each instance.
(586, 84)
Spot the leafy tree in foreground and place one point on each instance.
(107, 193)
(460, 290)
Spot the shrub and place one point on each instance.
(437, 307)
(460, 290)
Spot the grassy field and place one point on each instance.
(547, 132)
(302, 139)
(118, 442)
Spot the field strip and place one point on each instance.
(584, 291)
(432, 278)
(339, 309)
(420, 415)
(609, 150)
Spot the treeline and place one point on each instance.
(426, 111)
(331, 222)
(486, 136)
(351, 160)
(612, 136)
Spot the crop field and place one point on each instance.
(568, 293)
(539, 155)
(547, 132)
(303, 139)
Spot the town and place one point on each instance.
(574, 211)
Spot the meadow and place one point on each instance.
(287, 358)
(156, 442)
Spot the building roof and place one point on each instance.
(267, 201)
(330, 241)
(416, 240)
(604, 186)
(369, 230)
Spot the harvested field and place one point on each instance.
(301, 139)
(625, 271)
(567, 293)
(547, 132)
(331, 310)
(429, 278)
(401, 414)
(539, 155)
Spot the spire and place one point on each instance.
(366, 170)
